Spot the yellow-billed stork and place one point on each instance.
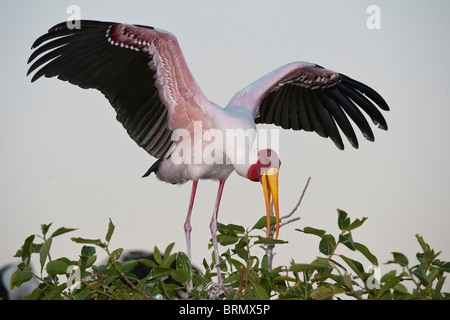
(142, 72)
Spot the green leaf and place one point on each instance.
(434, 272)
(18, 254)
(388, 285)
(386, 296)
(317, 232)
(387, 276)
(335, 263)
(237, 264)
(157, 255)
(269, 241)
(111, 277)
(43, 252)
(321, 262)
(438, 288)
(170, 287)
(259, 292)
(327, 244)
(242, 253)
(399, 288)
(347, 240)
(205, 264)
(168, 250)
(354, 265)
(35, 295)
(83, 294)
(399, 258)
(58, 266)
(45, 227)
(142, 282)
(87, 257)
(97, 242)
(346, 281)
(27, 249)
(356, 224)
(55, 293)
(445, 267)
(301, 290)
(317, 264)
(226, 240)
(87, 251)
(128, 265)
(321, 292)
(420, 273)
(262, 222)
(284, 278)
(343, 220)
(363, 249)
(180, 275)
(265, 262)
(19, 277)
(61, 231)
(160, 273)
(183, 262)
(110, 232)
(425, 247)
(167, 261)
(115, 255)
(234, 228)
(148, 263)
(87, 261)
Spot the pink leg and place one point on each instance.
(187, 223)
(188, 229)
(213, 227)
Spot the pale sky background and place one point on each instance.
(66, 160)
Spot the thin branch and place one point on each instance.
(289, 221)
(299, 201)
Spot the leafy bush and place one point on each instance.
(332, 275)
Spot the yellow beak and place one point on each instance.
(269, 183)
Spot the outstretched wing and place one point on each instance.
(305, 96)
(140, 70)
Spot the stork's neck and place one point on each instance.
(235, 127)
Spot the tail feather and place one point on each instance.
(154, 168)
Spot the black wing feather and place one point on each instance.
(85, 58)
(326, 119)
(293, 113)
(325, 109)
(364, 104)
(353, 112)
(368, 91)
(316, 125)
(301, 111)
(342, 121)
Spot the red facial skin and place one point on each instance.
(265, 161)
(254, 173)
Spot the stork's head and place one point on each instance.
(263, 166)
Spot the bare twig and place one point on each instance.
(299, 201)
(289, 221)
(239, 293)
(270, 254)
